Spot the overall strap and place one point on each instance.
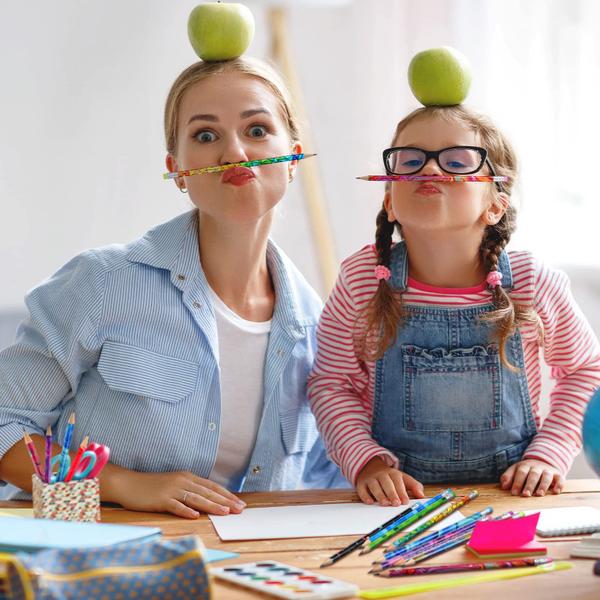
(504, 268)
(399, 267)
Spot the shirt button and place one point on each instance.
(257, 469)
(280, 352)
(212, 426)
(197, 305)
(180, 277)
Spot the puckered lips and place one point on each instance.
(238, 176)
(427, 188)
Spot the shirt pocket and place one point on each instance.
(298, 429)
(456, 390)
(141, 372)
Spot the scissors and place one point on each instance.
(101, 453)
(80, 473)
(96, 456)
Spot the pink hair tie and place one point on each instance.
(382, 272)
(494, 278)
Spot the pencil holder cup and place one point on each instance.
(66, 500)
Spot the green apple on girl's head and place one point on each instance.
(439, 76)
(220, 30)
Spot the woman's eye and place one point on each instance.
(257, 131)
(205, 136)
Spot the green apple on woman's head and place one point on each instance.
(220, 30)
(439, 76)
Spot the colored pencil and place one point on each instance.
(247, 163)
(417, 507)
(77, 459)
(429, 586)
(35, 459)
(426, 507)
(438, 178)
(62, 468)
(447, 542)
(404, 556)
(436, 535)
(414, 509)
(459, 567)
(48, 473)
(395, 519)
(452, 542)
(424, 549)
(361, 540)
(435, 519)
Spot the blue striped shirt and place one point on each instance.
(125, 336)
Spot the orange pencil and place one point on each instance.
(77, 458)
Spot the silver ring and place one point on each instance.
(185, 495)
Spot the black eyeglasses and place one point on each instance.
(457, 160)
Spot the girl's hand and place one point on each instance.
(388, 486)
(181, 493)
(532, 476)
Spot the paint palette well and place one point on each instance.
(285, 581)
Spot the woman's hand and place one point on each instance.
(388, 486)
(529, 477)
(181, 493)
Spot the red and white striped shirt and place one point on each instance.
(341, 386)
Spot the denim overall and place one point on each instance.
(444, 403)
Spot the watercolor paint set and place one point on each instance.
(285, 581)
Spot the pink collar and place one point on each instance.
(413, 283)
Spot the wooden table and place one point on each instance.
(309, 553)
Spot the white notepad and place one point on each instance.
(569, 520)
(316, 520)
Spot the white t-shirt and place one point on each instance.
(242, 352)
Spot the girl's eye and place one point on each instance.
(258, 131)
(412, 163)
(205, 136)
(456, 164)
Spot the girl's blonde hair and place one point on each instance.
(202, 70)
(377, 328)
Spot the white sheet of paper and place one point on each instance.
(314, 520)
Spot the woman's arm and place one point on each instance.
(152, 492)
(55, 345)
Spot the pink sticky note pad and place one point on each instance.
(507, 537)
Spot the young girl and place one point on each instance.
(427, 368)
(186, 351)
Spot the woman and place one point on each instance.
(186, 351)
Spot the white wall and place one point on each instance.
(83, 87)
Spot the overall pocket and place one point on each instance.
(455, 390)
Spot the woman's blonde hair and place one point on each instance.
(202, 70)
(378, 327)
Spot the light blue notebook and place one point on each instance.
(31, 535)
(211, 555)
